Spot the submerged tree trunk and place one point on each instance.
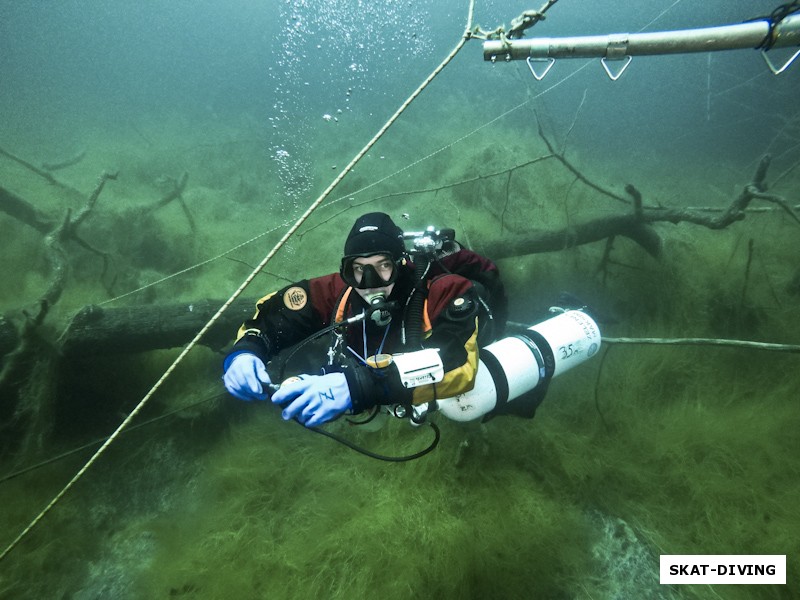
(96, 330)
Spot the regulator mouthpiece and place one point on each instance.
(379, 309)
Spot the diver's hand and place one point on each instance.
(314, 399)
(246, 377)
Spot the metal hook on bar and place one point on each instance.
(616, 50)
(540, 75)
(778, 70)
(614, 76)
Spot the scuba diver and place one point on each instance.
(398, 327)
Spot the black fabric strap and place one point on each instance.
(498, 376)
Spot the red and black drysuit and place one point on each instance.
(452, 315)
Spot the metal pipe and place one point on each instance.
(620, 45)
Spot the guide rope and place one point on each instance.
(194, 266)
(253, 274)
(705, 342)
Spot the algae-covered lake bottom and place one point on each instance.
(643, 450)
(235, 501)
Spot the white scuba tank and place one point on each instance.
(517, 364)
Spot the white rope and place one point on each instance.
(243, 285)
(375, 183)
(705, 342)
(195, 266)
(686, 341)
(661, 14)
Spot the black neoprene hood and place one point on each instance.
(375, 233)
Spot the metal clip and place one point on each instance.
(786, 65)
(614, 76)
(540, 75)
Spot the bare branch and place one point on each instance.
(89, 206)
(177, 194)
(67, 162)
(637, 225)
(41, 173)
(559, 156)
(23, 211)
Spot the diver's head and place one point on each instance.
(373, 255)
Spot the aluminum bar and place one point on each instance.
(619, 45)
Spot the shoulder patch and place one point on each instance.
(295, 298)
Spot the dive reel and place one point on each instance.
(515, 365)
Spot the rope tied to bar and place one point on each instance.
(526, 20)
(774, 19)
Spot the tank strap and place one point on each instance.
(339, 314)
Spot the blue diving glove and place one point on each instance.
(314, 399)
(246, 377)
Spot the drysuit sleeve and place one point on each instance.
(284, 318)
(452, 310)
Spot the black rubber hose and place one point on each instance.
(365, 452)
(417, 303)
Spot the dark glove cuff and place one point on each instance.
(254, 343)
(370, 387)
